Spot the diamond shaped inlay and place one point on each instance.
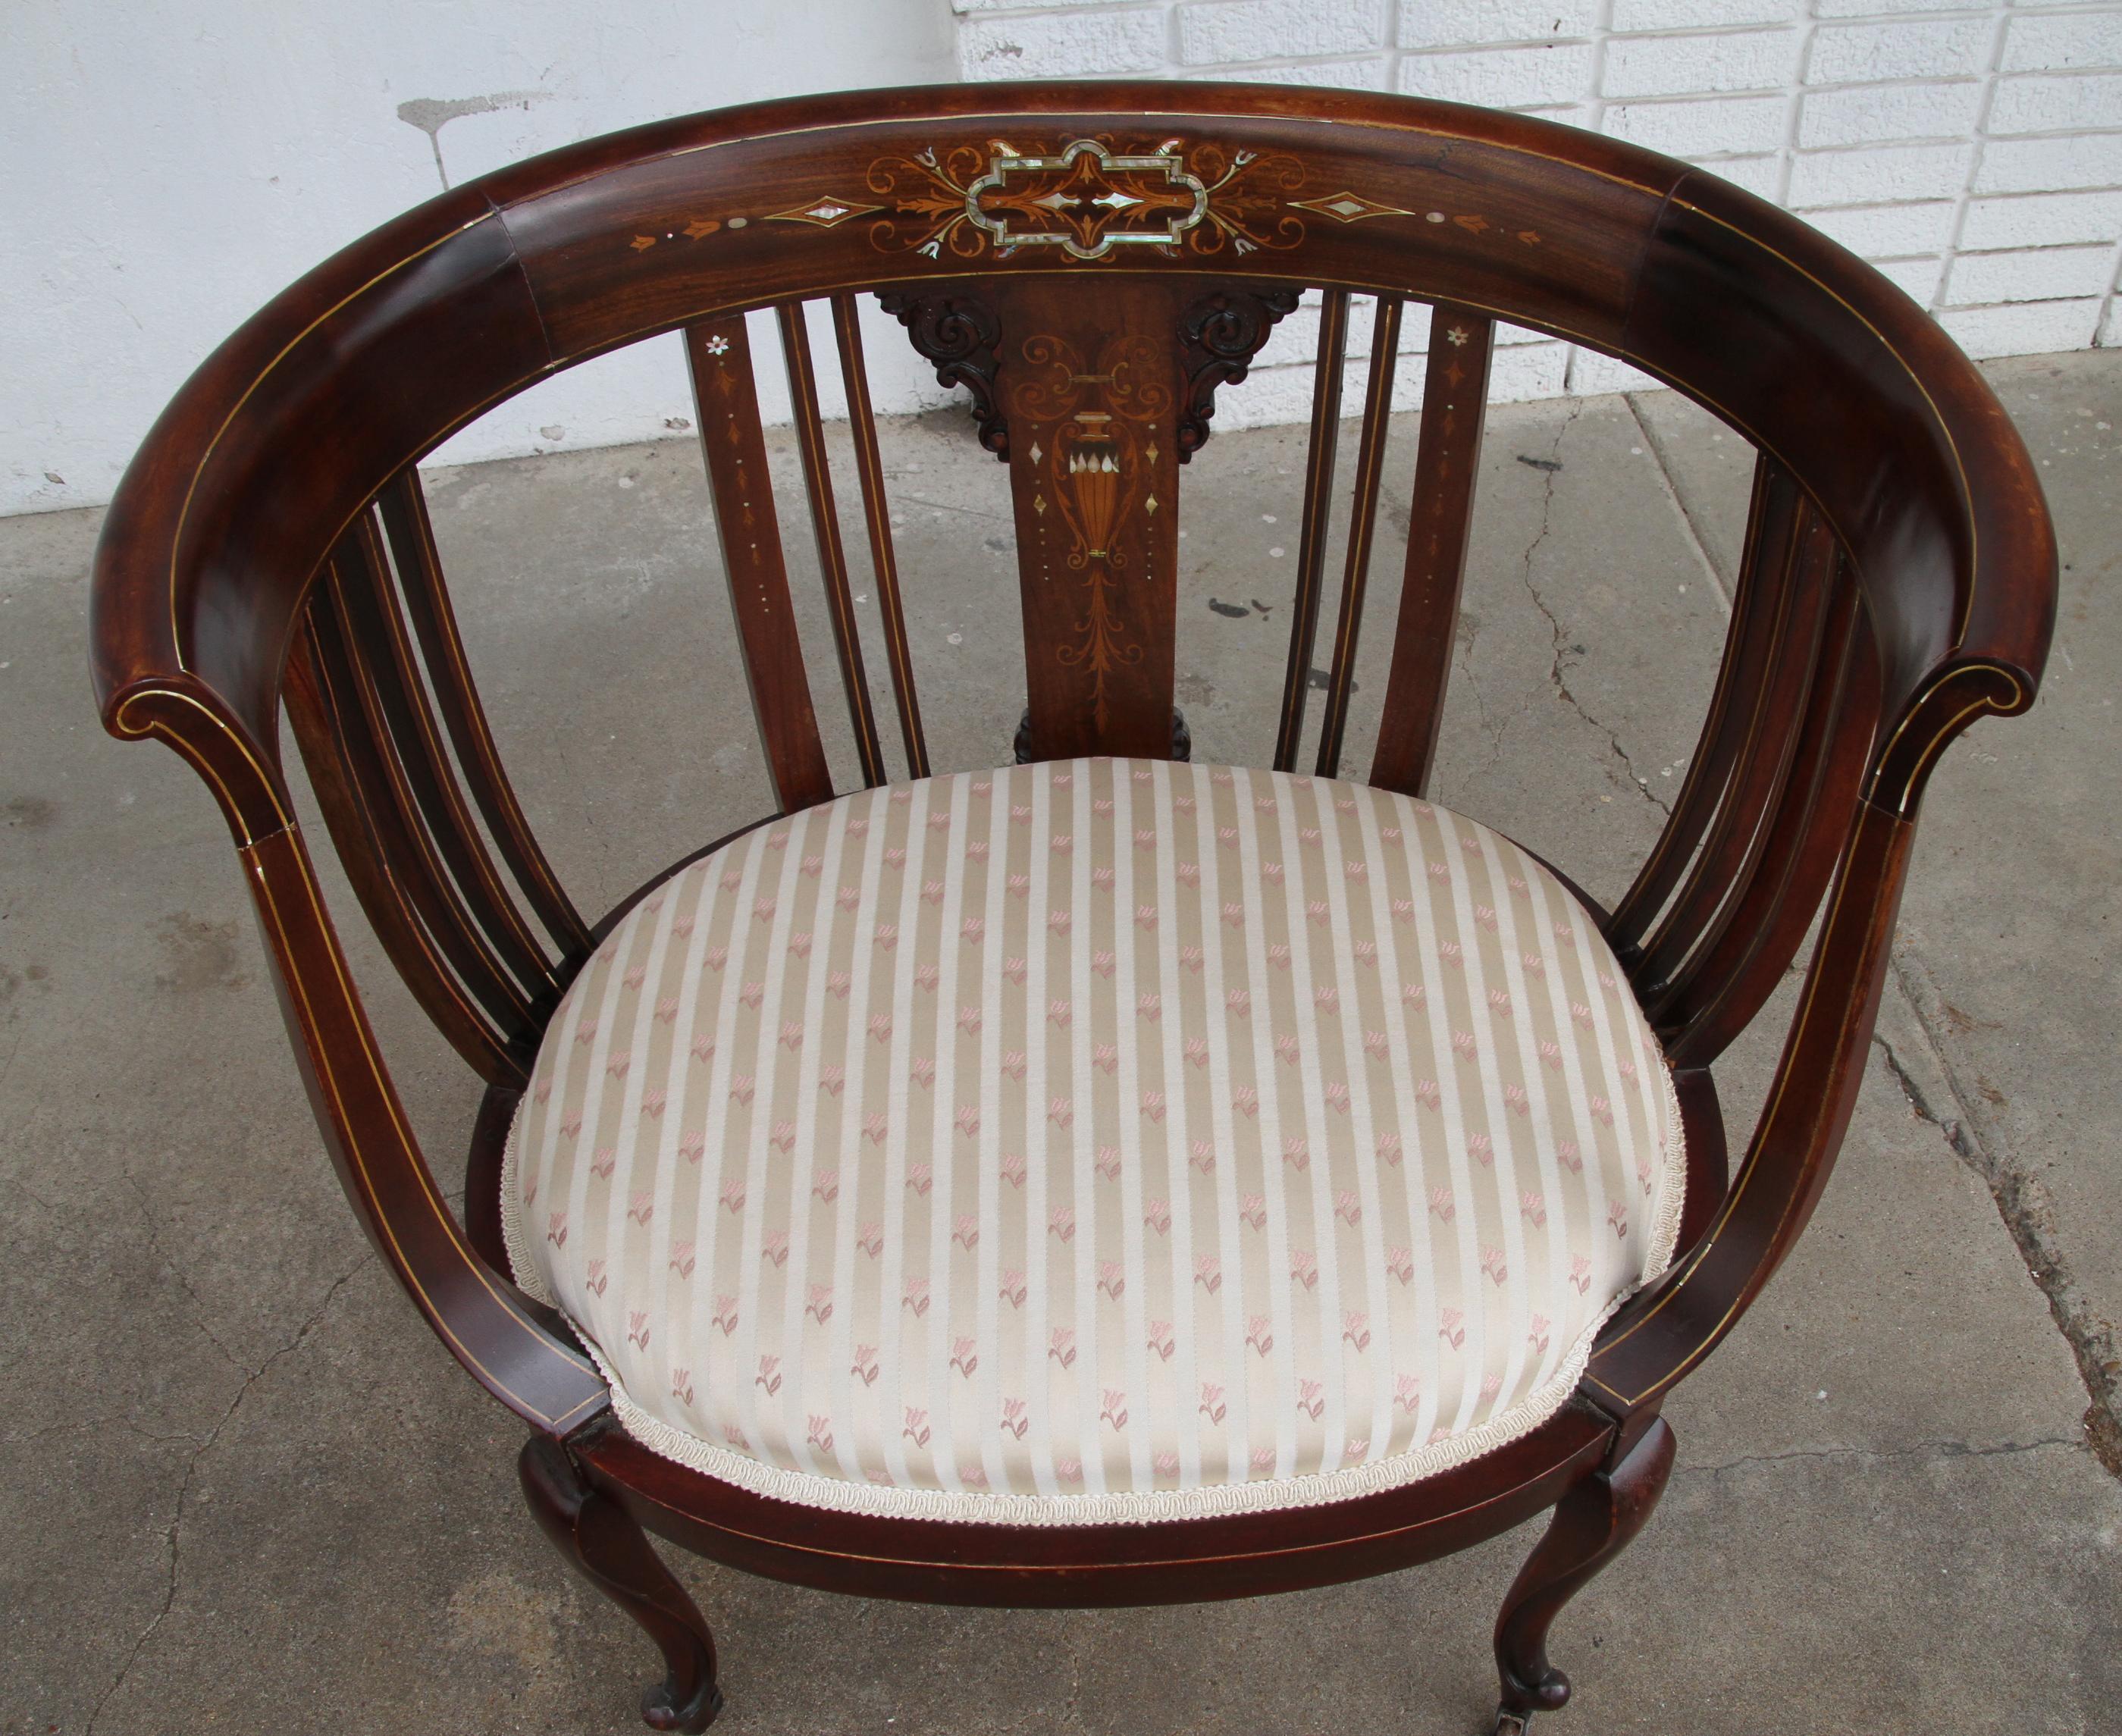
(1348, 208)
(826, 213)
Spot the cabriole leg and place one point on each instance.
(604, 1543)
(1591, 1525)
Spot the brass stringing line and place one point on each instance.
(200, 764)
(157, 727)
(184, 512)
(1936, 746)
(1909, 715)
(1951, 446)
(409, 1144)
(1748, 1171)
(330, 1082)
(1105, 116)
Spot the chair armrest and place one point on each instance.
(1671, 1325)
(488, 1325)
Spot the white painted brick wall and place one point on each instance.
(2043, 220)
(1666, 66)
(1224, 31)
(1971, 149)
(1541, 73)
(1063, 44)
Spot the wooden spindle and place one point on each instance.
(347, 775)
(825, 526)
(718, 353)
(379, 626)
(387, 792)
(876, 516)
(1455, 401)
(1363, 529)
(1318, 511)
(1736, 840)
(420, 582)
(1729, 977)
(1748, 644)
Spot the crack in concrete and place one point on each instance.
(1955, 1132)
(1935, 1449)
(1557, 674)
(2029, 1214)
(173, 1536)
(922, 500)
(177, 1271)
(77, 1425)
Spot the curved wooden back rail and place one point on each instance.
(1897, 582)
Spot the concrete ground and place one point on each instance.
(246, 1490)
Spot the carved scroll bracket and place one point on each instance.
(962, 336)
(1220, 334)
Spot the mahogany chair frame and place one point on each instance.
(1898, 582)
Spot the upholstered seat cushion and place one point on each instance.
(1107, 1139)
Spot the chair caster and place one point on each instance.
(1514, 1715)
(694, 1716)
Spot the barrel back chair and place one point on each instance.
(1100, 1180)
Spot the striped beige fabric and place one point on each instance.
(1107, 1140)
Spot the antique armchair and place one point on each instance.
(1099, 1180)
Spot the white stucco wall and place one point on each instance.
(166, 165)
